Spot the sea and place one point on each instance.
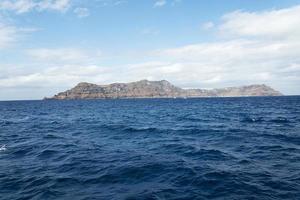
(201, 148)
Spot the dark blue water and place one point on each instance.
(212, 148)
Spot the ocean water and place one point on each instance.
(210, 148)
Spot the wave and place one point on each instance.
(282, 137)
(130, 174)
(51, 136)
(141, 129)
(252, 119)
(190, 118)
(278, 148)
(127, 128)
(14, 120)
(280, 120)
(3, 148)
(46, 154)
(209, 154)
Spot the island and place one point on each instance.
(158, 89)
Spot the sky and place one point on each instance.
(48, 46)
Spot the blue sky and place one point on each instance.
(50, 45)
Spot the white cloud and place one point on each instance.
(62, 55)
(150, 31)
(292, 68)
(237, 62)
(8, 35)
(175, 2)
(82, 12)
(208, 25)
(23, 6)
(235, 50)
(160, 3)
(117, 3)
(55, 76)
(11, 35)
(112, 3)
(282, 23)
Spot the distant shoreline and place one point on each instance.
(18, 100)
(138, 98)
(158, 89)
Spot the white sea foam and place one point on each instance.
(3, 148)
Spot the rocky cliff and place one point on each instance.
(158, 89)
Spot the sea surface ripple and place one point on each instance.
(209, 148)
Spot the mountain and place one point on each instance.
(157, 89)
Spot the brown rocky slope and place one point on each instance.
(158, 89)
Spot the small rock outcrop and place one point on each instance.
(157, 89)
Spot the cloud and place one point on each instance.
(237, 62)
(274, 24)
(8, 35)
(23, 6)
(150, 31)
(208, 25)
(82, 12)
(175, 2)
(235, 50)
(160, 3)
(54, 76)
(117, 3)
(11, 35)
(63, 55)
(104, 3)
